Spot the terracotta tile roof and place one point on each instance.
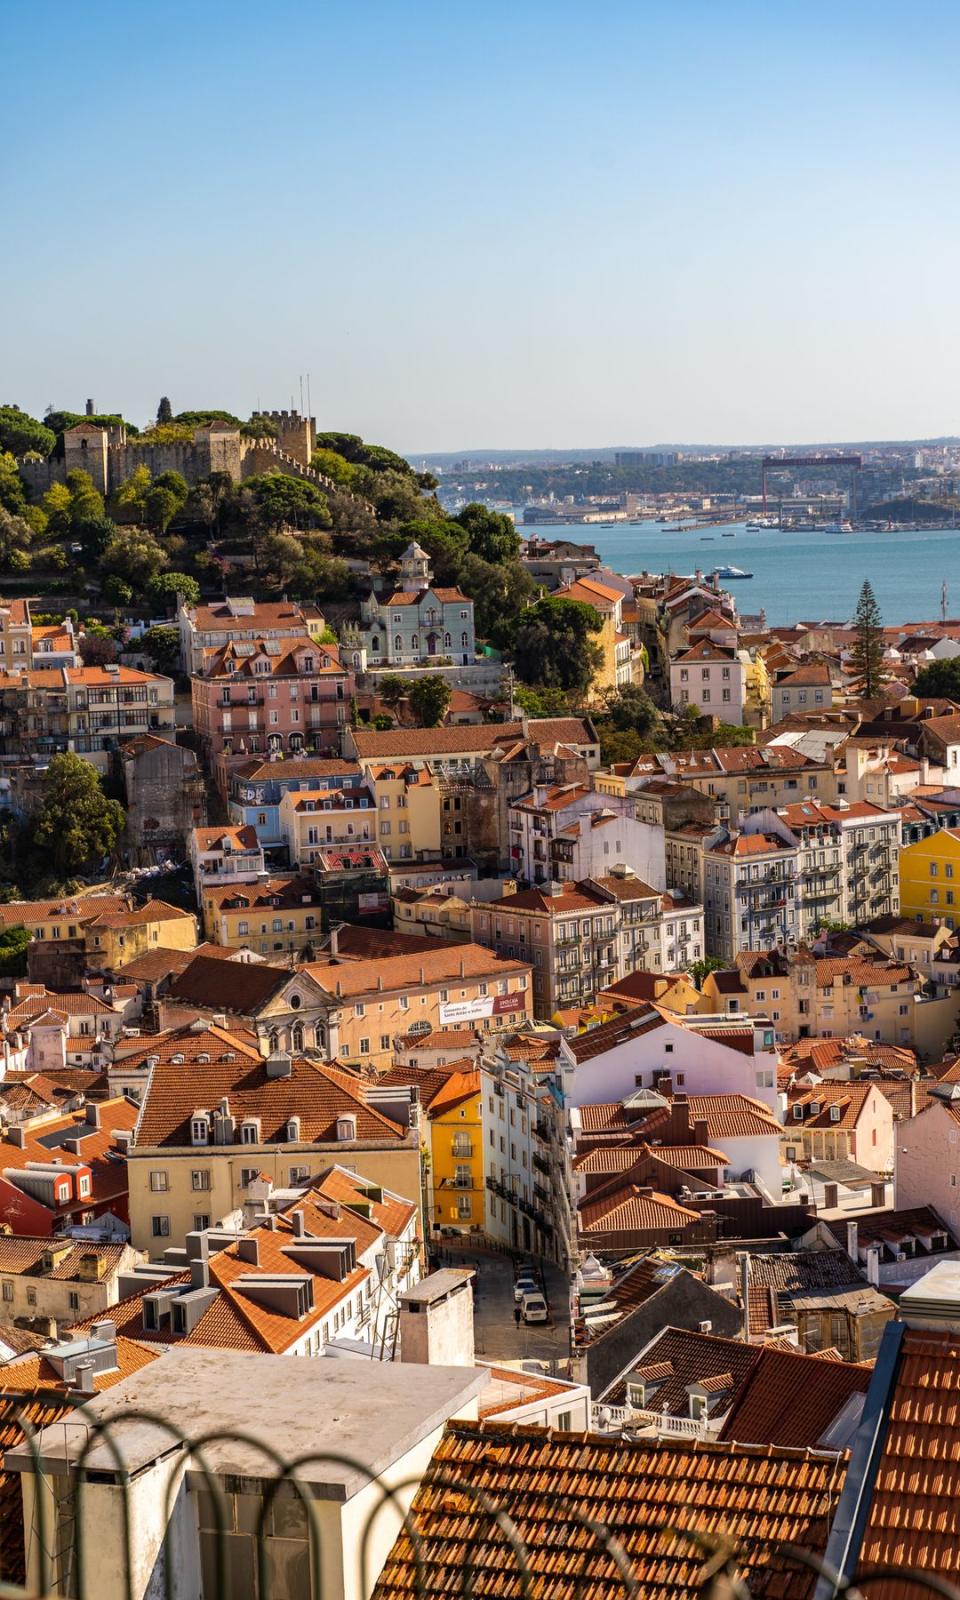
(28, 913)
(403, 597)
(316, 1093)
(18, 1412)
(850, 1099)
(644, 1019)
(242, 987)
(281, 893)
(786, 1400)
(157, 964)
(677, 1358)
(510, 1389)
(732, 1116)
(221, 617)
(33, 1372)
(214, 838)
(640, 986)
(460, 1087)
(479, 737)
(632, 888)
(633, 1208)
(809, 676)
(98, 1146)
(706, 650)
(23, 1257)
(440, 1039)
(152, 911)
(859, 970)
(392, 1213)
(590, 592)
(550, 905)
(454, 962)
(548, 1483)
(912, 1518)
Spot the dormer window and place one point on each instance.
(250, 1131)
(835, 1113)
(815, 1108)
(199, 1130)
(346, 1127)
(293, 1130)
(204, 1058)
(798, 1113)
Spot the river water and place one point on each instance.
(797, 577)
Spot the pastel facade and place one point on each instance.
(710, 679)
(272, 696)
(930, 878)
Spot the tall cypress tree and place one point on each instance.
(164, 410)
(866, 657)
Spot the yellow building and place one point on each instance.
(616, 667)
(275, 915)
(116, 937)
(408, 811)
(455, 1123)
(930, 878)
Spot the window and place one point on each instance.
(158, 1183)
(199, 1130)
(31, 1296)
(200, 1179)
(201, 1221)
(384, 1041)
(161, 1227)
(7, 1289)
(364, 1047)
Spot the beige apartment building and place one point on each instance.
(740, 778)
(312, 821)
(353, 1011)
(217, 1118)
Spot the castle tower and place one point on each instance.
(87, 446)
(415, 573)
(296, 435)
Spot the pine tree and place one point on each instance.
(866, 657)
(164, 411)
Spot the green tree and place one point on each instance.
(176, 483)
(429, 698)
(170, 588)
(499, 591)
(14, 943)
(76, 826)
(700, 969)
(134, 554)
(553, 644)
(13, 494)
(631, 709)
(160, 506)
(117, 592)
(93, 535)
(58, 506)
(283, 502)
(208, 499)
(196, 419)
(163, 646)
(164, 410)
(392, 689)
(129, 497)
(59, 421)
(939, 680)
(866, 656)
(86, 501)
(16, 535)
(259, 428)
(20, 433)
(334, 466)
(492, 536)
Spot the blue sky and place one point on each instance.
(508, 224)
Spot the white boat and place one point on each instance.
(838, 527)
(762, 522)
(731, 572)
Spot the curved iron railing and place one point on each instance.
(62, 1550)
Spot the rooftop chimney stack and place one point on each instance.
(744, 1264)
(852, 1248)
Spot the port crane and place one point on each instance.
(775, 463)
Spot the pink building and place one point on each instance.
(262, 696)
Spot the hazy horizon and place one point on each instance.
(636, 221)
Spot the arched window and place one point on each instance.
(296, 1036)
(415, 642)
(464, 640)
(273, 1041)
(448, 640)
(398, 643)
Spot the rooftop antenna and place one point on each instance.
(309, 401)
(943, 601)
(301, 394)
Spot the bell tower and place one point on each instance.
(415, 573)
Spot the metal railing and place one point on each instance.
(94, 1523)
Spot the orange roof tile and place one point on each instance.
(554, 1486)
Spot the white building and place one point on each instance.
(711, 678)
(224, 856)
(567, 832)
(700, 1055)
(750, 890)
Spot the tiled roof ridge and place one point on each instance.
(467, 1428)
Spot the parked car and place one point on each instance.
(534, 1308)
(527, 1284)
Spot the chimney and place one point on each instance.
(248, 1249)
(17, 1136)
(878, 1195)
(299, 1224)
(105, 1329)
(744, 1264)
(852, 1250)
(873, 1265)
(335, 941)
(200, 1273)
(701, 1131)
(83, 1379)
(92, 1114)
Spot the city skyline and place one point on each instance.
(549, 228)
